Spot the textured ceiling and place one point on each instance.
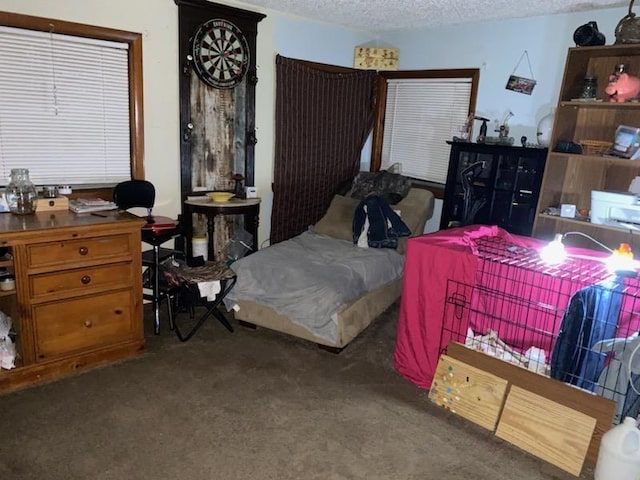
(379, 15)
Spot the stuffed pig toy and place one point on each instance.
(622, 87)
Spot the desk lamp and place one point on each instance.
(621, 260)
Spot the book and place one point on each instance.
(81, 205)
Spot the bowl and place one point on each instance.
(220, 197)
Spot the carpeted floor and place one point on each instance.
(249, 405)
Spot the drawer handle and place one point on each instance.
(83, 250)
(87, 323)
(85, 279)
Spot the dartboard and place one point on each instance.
(220, 53)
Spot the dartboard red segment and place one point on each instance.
(220, 53)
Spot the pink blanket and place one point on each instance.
(483, 278)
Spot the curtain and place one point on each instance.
(323, 117)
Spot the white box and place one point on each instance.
(252, 192)
(602, 202)
(567, 210)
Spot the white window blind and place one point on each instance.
(64, 108)
(421, 115)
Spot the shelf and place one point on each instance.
(603, 104)
(612, 160)
(6, 260)
(569, 178)
(547, 226)
(582, 223)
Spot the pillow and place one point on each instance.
(392, 187)
(337, 222)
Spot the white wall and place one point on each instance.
(494, 46)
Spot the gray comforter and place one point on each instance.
(309, 277)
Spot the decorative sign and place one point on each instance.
(521, 84)
(370, 58)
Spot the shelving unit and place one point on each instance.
(569, 178)
(504, 191)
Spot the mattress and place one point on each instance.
(311, 277)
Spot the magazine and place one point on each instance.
(84, 205)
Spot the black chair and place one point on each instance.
(182, 284)
(158, 230)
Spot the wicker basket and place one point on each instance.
(595, 147)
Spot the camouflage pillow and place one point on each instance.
(392, 187)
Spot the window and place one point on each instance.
(417, 113)
(70, 102)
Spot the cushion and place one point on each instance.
(392, 187)
(337, 222)
(415, 209)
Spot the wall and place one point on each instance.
(477, 45)
(495, 47)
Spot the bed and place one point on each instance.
(321, 287)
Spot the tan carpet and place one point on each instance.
(249, 405)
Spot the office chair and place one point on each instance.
(158, 230)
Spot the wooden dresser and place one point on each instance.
(78, 297)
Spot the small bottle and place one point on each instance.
(21, 194)
(620, 68)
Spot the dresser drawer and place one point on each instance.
(76, 281)
(85, 323)
(96, 248)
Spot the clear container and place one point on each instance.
(589, 87)
(8, 282)
(21, 194)
(619, 454)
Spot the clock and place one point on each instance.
(220, 53)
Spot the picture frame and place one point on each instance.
(626, 143)
(520, 84)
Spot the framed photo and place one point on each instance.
(520, 84)
(627, 142)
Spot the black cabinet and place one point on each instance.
(493, 185)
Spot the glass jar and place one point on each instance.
(21, 194)
(589, 87)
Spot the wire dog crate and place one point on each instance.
(575, 322)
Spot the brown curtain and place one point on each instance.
(323, 117)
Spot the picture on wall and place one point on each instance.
(520, 84)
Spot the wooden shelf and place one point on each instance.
(581, 223)
(570, 178)
(603, 104)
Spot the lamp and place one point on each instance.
(620, 261)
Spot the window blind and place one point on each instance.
(64, 108)
(421, 115)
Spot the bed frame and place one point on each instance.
(354, 317)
